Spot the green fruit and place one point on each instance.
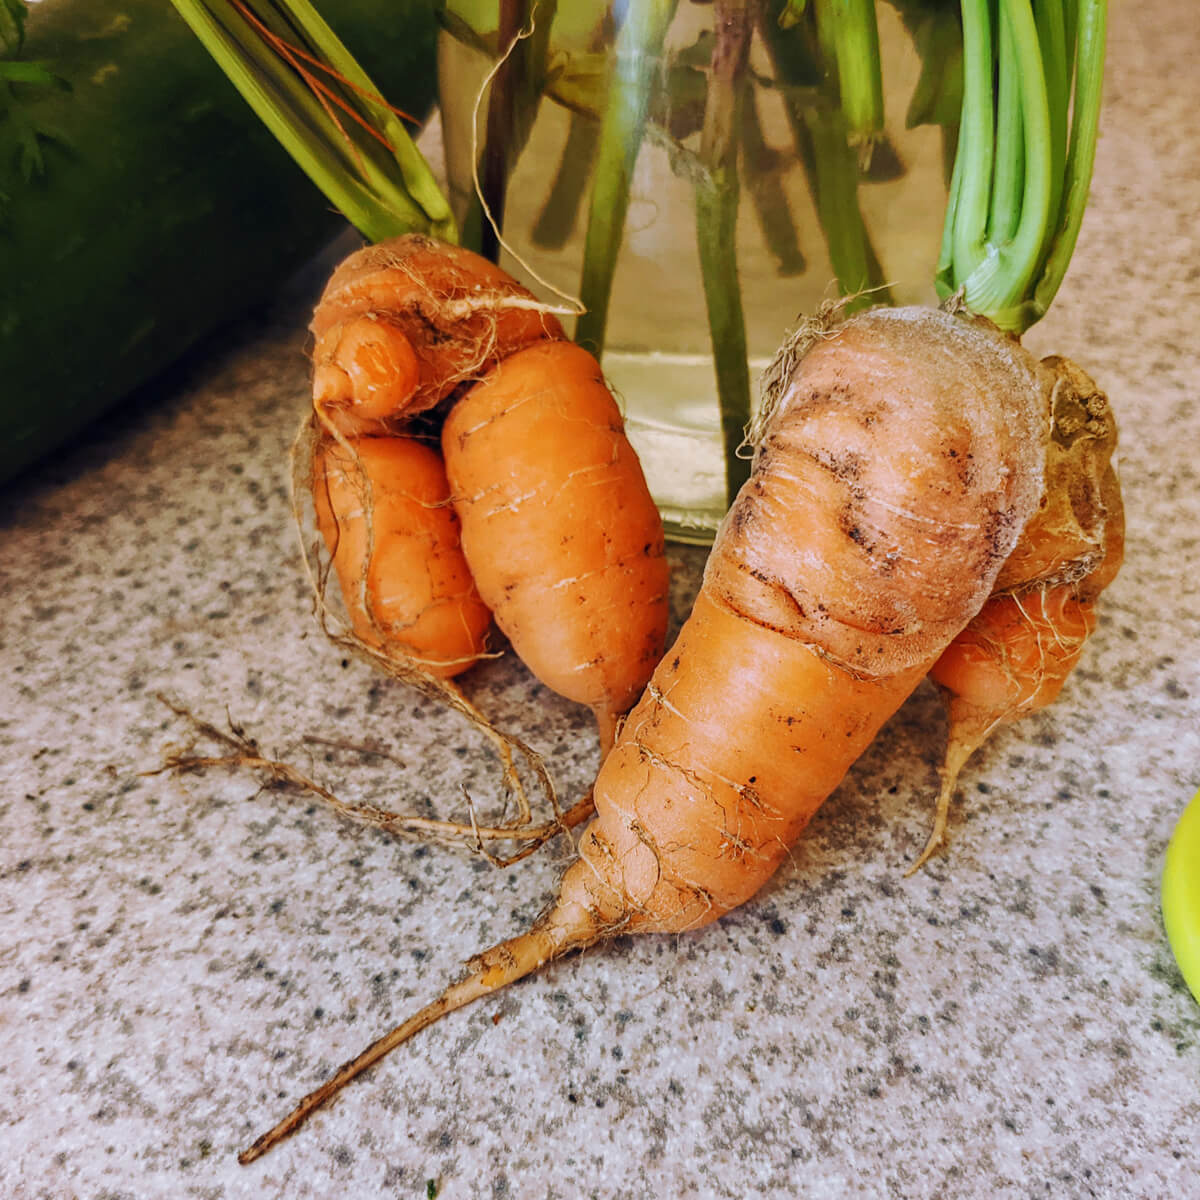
(1181, 895)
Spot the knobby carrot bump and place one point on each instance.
(403, 323)
(1017, 652)
(900, 457)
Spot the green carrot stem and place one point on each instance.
(1035, 117)
(829, 161)
(976, 140)
(494, 174)
(761, 166)
(556, 221)
(334, 158)
(381, 192)
(716, 227)
(1056, 61)
(418, 179)
(850, 31)
(1089, 26)
(1008, 180)
(1036, 174)
(1071, 28)
(999, 284)
(834, 178)
(945, 278)
(637, 53)
(716, 230)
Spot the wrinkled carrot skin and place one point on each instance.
(405, 582)
(695, 811)
(889, 489)
(1017, 652)
(558, 525)
(419, 302)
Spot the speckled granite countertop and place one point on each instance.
(181, 958)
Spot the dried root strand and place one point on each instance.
(414, 673)
(957, 753)
(778, 373)
(243, 752)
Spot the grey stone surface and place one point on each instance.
(180, 958)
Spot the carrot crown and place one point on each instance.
(1030, 111)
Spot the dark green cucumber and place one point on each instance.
(165, 207)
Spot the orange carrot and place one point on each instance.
(561, 534)
(383, 508)
(898, 464)
(1016, 654)
(558, 526)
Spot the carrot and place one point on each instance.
(1016, 654)
(383, 508)
(562, 537)
(402, 323)
(565, 544)
(899, 459)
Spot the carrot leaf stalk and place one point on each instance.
(313, 95)
(514, 96)
(937, 96)
(763, 166)
(636, 71)
(716, 230)
(565, 197)
(1030, 113)
(849, 30)
(823, 143)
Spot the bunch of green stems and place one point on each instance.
(1015, 84)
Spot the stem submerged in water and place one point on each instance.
(716, 231)
(637, 68)
(514, 96)
(830, 161)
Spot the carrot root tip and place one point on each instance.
(960, 749)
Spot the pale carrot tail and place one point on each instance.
(563, 929)
(608, 723)
(963, 743)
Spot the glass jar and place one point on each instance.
(755, 174)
